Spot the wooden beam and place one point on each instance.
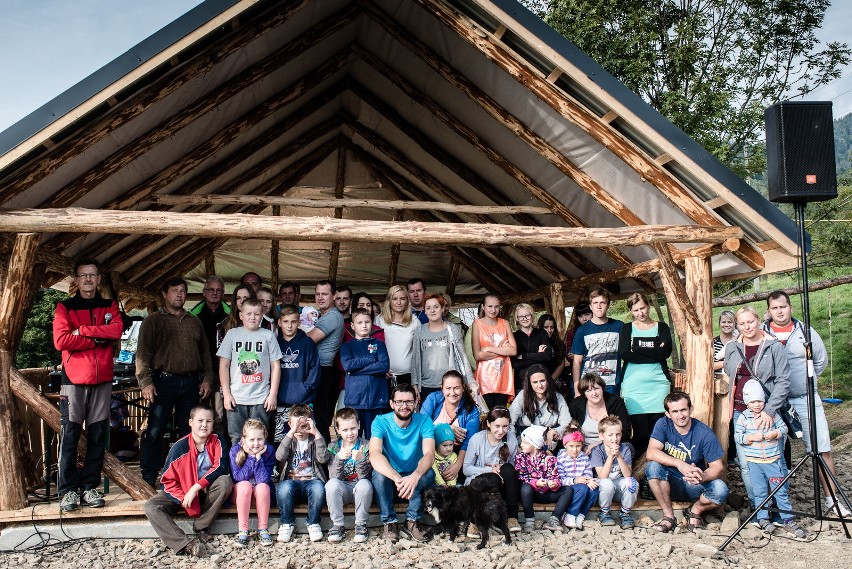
(557, 307)
(698, 345)
(273, 255)
(674, 286)
(210, 263)
(483, 275)
(12, 303)
(243, 81)
(453, 277)
(351, 203)
(394, 254)
(339, 183)
(126, 479)
(164, 86)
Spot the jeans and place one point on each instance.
(714, 490)
(562, 497)
(744, 464)
(242, 413)
(339, 492)
(175, 393)
(385, 491)
(292, 492)
(823, 438)
(583, 500)
(765, 477)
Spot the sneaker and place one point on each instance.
(69, 501)
(605, 519)
(794, 530)
(391, 532)
(241, 539)
(360, 533)
(627, 520)
(336, 534)
(412, 527)
(473, 532)
(766, 526)
(264, 537)
(315, 532)
(514, 526)
(193, 549)
(569, 521)
(204, 535)
(93, 499)
(529, 526)
(580, 521)
(285, 533)
(829, 508)
(553, 524)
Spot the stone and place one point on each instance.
(730, 523)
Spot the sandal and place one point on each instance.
(665, 525)
(690, 517)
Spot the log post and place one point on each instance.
(698, 347)
(127, 480)
(453, 277)
(394, 256)
(273, 255)
(339, 184)
(12, 315)
(210, 263)
(557, 308)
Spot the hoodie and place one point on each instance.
(300, 370)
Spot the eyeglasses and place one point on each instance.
(406, 403)
(86, 276)
(524, 316)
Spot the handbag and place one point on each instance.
(458, 362)
(787, 412)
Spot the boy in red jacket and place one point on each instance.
(85, 328)
(195, 477)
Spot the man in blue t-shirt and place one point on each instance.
(327, 334)
(402, 450)
(684, 463)
(595, 345)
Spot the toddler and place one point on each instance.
(575, 470)
(301, 454)
(445, 438)
(349, 476)
(252, 462)
(762, 448)
(539, 477)
(612, 461)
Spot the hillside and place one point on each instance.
(843, 143)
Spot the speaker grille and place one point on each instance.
(800, 152)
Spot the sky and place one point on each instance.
(46, 46)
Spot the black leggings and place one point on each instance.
(643, 425)
(510, 489)
(495, 400)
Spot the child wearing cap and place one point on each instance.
(539, 476)
(763, 447)
(444, 456)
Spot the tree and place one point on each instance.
(36, 347)
(709, 66)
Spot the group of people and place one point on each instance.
(257, 426)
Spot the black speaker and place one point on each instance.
(800, 152)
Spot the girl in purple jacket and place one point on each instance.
(252, 462)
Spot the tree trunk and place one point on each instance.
(698, 347)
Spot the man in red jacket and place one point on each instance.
(85, 327)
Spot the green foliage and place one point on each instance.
(709, 66)
(843, 144)
(830, 228)
(36, 348)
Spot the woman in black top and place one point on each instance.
(534, 345)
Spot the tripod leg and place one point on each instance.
(833, 486)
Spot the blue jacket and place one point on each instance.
(469, 420)
(300, 370)
(365, 362)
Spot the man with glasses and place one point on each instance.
(85, 328)
(402, 450)
(211, 311)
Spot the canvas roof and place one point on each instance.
(458, 101)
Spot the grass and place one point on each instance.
(831, 316)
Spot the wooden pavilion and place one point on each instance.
(368, 141)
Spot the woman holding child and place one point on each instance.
(454, 405)
(438, 348)
(756, 355)
(539, 404)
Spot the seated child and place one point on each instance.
(349, 476)
(252, 463)
(301, 454)
(575, 470)
(539, 477)
(763, 453)
(192, 479)
(612, 461)
(445, 438)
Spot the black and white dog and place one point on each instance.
(479, 503)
